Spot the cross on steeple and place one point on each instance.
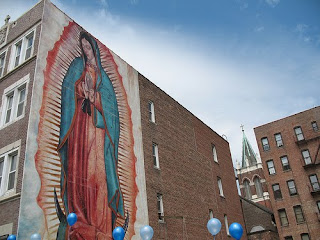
(241, 126)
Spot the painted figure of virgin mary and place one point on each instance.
(88, 148)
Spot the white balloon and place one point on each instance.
(146, 232)
(214, 226)
(35, 236)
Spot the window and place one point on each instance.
(313, 124)
(278, 138)
(306, 156)
(283, 217)
(257, 184)
(265, 144)
(8, 169)
(271, 167)
(155, 155)
(9, 107)
(220, 187)
(29, 44)
(2, 57)
(288, 238)
(17, 57)
(160, 207)
(285, 163)
(247, 189)
(214, 153)
(292, 187)
(299, 134)
(14, 103)
(314, 182)
(318, 205)
(22, 50)
(4, 237)
(152, 117)
(276, 191)
(305, 236)
(210, 213)
(298, 213)
(226, 223)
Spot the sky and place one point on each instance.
(230, 62)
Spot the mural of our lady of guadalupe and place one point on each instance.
(92, 166)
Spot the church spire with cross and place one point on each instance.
(248, 155)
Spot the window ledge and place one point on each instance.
(13, 121)
(17, 68)
(157, 168)
(9, 196)
(301, 223)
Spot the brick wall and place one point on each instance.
(9, 207)
(187, 178)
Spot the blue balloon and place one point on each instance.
(72, 218)
(35, 236)
(146, 232)
(214, 226)
(118, 233)
(236, 230)
(12, 237)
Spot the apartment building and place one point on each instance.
(289, 149)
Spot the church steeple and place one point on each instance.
(248, 156)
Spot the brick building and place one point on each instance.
(82, 124)
(289, 149)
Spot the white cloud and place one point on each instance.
(272, 3)
(224, 91)
(259, 29)
(301, 28)
(104, 3)
(134, 2)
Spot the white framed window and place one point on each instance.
(9, 158)
(306, 156)
(152, 116)
(283, 217)
(313, 124)
(210, 213)
(160, 207)
(299, 133)
(314, 182)
(292, 188)
(2, 62)
(271, 168)
(220, 187)
(155, 155)
(14, 101)
(265, 144)
(22, 49)
(214, 153)
(305, 236)
(227, 224)
(285, 163)
(278, 139)
(298, 213)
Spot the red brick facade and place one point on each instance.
(187, 178)
(307, 197)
